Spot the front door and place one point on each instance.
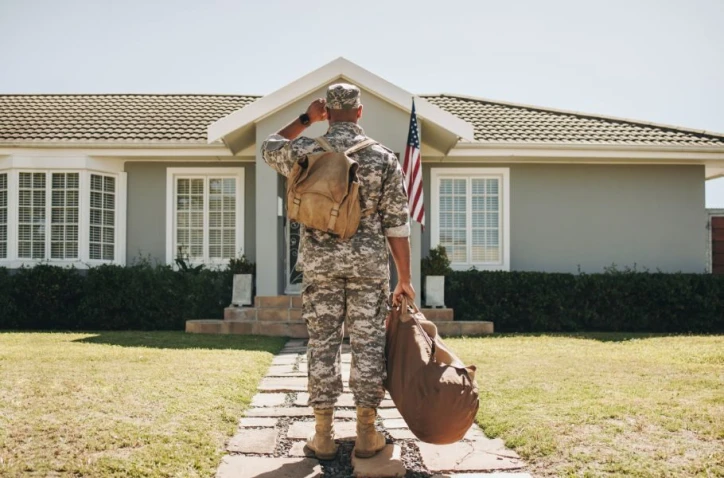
(292, 238)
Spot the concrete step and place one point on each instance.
(294, 314)
(298, 329)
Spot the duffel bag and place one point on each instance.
(435, 393)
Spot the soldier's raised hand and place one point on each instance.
(317, 111)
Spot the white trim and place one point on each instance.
(171, 174)
(343, 69)
(710, 213)
(504, 175)
(121, 217)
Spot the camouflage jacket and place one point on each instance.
(381, 187)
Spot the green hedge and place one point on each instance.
(138, 297)
(614, 301)
(157, 297)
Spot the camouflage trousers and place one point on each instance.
(326, 302)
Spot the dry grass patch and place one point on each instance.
(604, 404)
(123, 403)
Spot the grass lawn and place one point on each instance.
(123, 403)
(606, 404)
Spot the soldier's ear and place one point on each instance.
(359, 112)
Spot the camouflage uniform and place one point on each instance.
(348, 278)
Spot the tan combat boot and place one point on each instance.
(322, 441)
(369, 440)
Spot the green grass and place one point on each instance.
(604, 404)
(125, 404)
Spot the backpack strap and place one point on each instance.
(322, 141)
(360, 146)
(333, 219)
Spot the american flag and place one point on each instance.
(413, 171)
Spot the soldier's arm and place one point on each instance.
(395, 216)
(283, 148)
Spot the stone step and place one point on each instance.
(298, 329)
(278, 301)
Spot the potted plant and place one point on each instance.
(434, 269)
(243, 271)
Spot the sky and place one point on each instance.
(654, 60)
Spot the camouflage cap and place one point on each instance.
(343, 96)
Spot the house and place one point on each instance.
(92, 179)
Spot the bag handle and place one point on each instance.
(408, 305)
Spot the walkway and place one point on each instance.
(270, 440)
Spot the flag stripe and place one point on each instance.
(412, 168)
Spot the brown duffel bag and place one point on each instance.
(435, 393)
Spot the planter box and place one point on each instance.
(435, 291)
(241, 293)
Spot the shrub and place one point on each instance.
(628, 301)
(110, 297)
(436, 263)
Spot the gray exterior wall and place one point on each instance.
(564, 216)
(146, 226)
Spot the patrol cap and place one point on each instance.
(343, 96)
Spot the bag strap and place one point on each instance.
(333, 219)
(360, 146)
(322, 141)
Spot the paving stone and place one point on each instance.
(280, 412)
(266, 467)
(386, 463)
(280, 369)
(389, 413)
(285, 359)
(401, 434)
(462, 456)
(298, 449)
(258, 422)
(250, 440)
(268, 400)
(283, 384)
(345, 431)
(387, 403)
(484, 475)
(394, 423)
(296, 343)
(345, 414)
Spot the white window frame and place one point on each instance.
(503, 175)
(171, 175)
(83, 261)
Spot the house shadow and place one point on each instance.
(181, 341)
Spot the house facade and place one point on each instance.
(93, 179)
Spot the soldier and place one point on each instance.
(348, 277)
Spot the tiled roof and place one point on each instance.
(183, 119)
(500, 122)
(122, 119)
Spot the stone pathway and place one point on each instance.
(270, 440)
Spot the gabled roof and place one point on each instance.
(236, 129)
(502, 122)
(183, 120)
(118, 119)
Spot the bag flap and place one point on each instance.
(327, 174)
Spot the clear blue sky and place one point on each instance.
(656, 60)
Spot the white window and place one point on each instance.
(60, 217)
(102, 233)
(471, 216)
(205, 214)
(3, 215)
